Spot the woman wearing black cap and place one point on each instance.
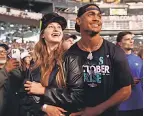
(48, 88)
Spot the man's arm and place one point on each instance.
(3, 76)
(115, 99)
(122, 80)
(118, 97)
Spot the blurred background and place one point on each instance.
(20, 19)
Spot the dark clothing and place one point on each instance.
(69, 97)
(11, 85)
(105, 74)
(138, 112)
(3, 78)
(30, 105)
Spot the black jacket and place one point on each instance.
(11, 87)
(70, 97)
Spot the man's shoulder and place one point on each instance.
(110, 44)
(73, 50)
(111, 47)
(73, 53)
(136, 57)
(73, 47)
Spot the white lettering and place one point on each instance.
(96, 69)
(107, 69)
(103, 68)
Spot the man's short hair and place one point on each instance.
(121, 35)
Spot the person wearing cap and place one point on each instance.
(68, 41)
(26, 60)
(106, 74)
(8, 73)
(54, 91)
(134, 105)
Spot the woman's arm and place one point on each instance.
(71, 96)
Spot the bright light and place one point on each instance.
(11, 25)
(20, 29)
(2, 28)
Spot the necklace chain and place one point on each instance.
(90, 55)
(96, 46)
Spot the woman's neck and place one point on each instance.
(51, 46)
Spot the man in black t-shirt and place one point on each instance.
(106, 74)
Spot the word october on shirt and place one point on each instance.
(106, 73)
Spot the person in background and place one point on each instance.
(3, 54)
(25, 60)
(68, 41)
(8, 74)
(134, 105)
(106, 74)
(140, 53)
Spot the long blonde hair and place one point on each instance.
(46, 61)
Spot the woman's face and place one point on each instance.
(27, 59)
(53, 33)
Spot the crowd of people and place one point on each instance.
(60, 77)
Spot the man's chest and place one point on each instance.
(96, 70)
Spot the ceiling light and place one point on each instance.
(11, 25)
(2, 28)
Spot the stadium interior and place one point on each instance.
(19, 19)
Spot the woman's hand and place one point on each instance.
(34, 88)
(54, 111)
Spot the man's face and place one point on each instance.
(90, 20)
(127, 42)
(3, 55)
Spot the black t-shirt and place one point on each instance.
(106, 73)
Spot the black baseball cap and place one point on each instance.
(52, 17)
(84, 9)
(4, 46)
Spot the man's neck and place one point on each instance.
(127, 52)
(90, 42)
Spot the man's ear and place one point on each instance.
(78, 21)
